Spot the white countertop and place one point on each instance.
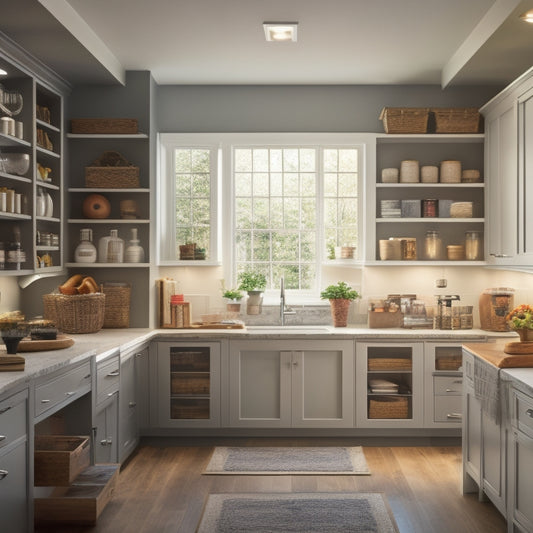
(104, 342)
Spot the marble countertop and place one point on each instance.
(106, 341)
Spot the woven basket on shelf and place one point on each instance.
(457, 120)
(103, 125)
(112, 170)
(405, 119)
(117, 305)
(388, 407)
(77, 313)
(449, 363)
(389, 363)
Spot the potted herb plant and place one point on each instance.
(233, 297)
(340, 297)
(254, 283)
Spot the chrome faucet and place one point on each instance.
(283, 308)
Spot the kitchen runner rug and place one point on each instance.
(288, 460)
(298, 512)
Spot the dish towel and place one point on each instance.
(487, 388)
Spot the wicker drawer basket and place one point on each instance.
(117, 305)
(104, 125)
(388, 407)
(389, 363)
(77, 313)
(405, 119)
(457, 120)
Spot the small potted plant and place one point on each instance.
(254, 283)
(520, 319)
(233, 297)
(340, 297)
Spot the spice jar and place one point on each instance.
(429, 208)
(473, 245)
(433, 246)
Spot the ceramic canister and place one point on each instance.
(450, 172)
(429, 174)
(390, 175)
(409, 171)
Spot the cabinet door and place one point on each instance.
(502, 183)
(322, 385)
(128, 432)
(106, 431)
(14, 512)
(188, 377)
(260, 385)
(521, 481)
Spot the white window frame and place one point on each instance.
(223, 192)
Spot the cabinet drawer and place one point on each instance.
(448, 385)
(107, 378)
(68, 384)
(523, 412)
(13, 418)
(448, 409)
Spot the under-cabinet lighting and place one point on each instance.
(3, 72)
(281, 31)
(527, 16)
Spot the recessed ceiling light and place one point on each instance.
(527, 16)
(3, 72)
(281, 31)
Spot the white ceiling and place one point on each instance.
(447, 42)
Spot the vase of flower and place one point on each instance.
(520, 319)
(526, 335)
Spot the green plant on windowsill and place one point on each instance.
(339, 291)
(251, 281)
(232, 294)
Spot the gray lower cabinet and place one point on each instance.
(15, 515)
(291, 383)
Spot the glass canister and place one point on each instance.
(433, 246)
(473, 246)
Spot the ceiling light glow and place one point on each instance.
(3, 72)
(527, 16)
(280, 31)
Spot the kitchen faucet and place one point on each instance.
(283, 308)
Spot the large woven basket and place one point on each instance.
(457, 120)
(389, 363)
(405, 119)
(117, 305)
(112, 170)
(388, 407)
(77, 313)
(104, 125)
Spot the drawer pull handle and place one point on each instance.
(2, 411)
(529, 413)
(454, 416)
(3, 474)
(45, 401)
(87, 376)
(132, 404)
(451, 390)
(458, 381)
(105, 442)
(111, 394)
(2, 437)
(71, 393)
(113, 374)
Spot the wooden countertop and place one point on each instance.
(493, 353)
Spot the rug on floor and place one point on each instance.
(335, 460)
(297, 512)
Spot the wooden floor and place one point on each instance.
(162, 490)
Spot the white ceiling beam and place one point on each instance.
(493, 19)
(72, 22)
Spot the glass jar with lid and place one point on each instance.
(473, 250)
(433, 246)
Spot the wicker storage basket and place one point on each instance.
(117, 305)
(389, 363)
(77, 313)
(112, 170)
(388, 407)
(457, 120)
(405, 119)
(103, 125)
(452, 362)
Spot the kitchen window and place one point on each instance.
(285, 201)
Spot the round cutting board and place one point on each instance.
(27, 345)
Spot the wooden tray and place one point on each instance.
(519, 348)
(62, 341)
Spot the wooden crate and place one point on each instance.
(104, 125)
(82, 502)
(58, 459)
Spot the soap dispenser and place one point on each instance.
(85, 251)
(134, 252)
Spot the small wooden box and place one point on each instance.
(80, 503)
(104, 125)
(385, 320)
(58, 459)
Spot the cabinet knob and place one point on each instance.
(3, 474)
(132, 404)
(106, 442)
(113, 374)
(529, 413)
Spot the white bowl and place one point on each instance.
(15, 163)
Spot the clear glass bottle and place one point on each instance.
(85, 251)
(115, 248)
(473, 246)
(134, 252)
(433, 246)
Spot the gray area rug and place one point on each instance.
(297, 512)
(334, 460)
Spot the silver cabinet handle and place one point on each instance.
(3, 474)
(451, 390)
(71, 393)
(529, 413)
(113, 374)
(2, 411)
(455, 416)
(106, 442)
(500, 255)
(458, 381)
(138, 354)
(2, 437)
(109, 394)
(132, 404)
(45, 401)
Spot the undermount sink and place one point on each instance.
(288, 329)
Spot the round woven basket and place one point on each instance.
(77, 313)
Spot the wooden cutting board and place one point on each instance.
(519, 348)
(62, 341)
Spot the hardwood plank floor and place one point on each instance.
(161, 488)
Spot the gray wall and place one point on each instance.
(346, 108)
